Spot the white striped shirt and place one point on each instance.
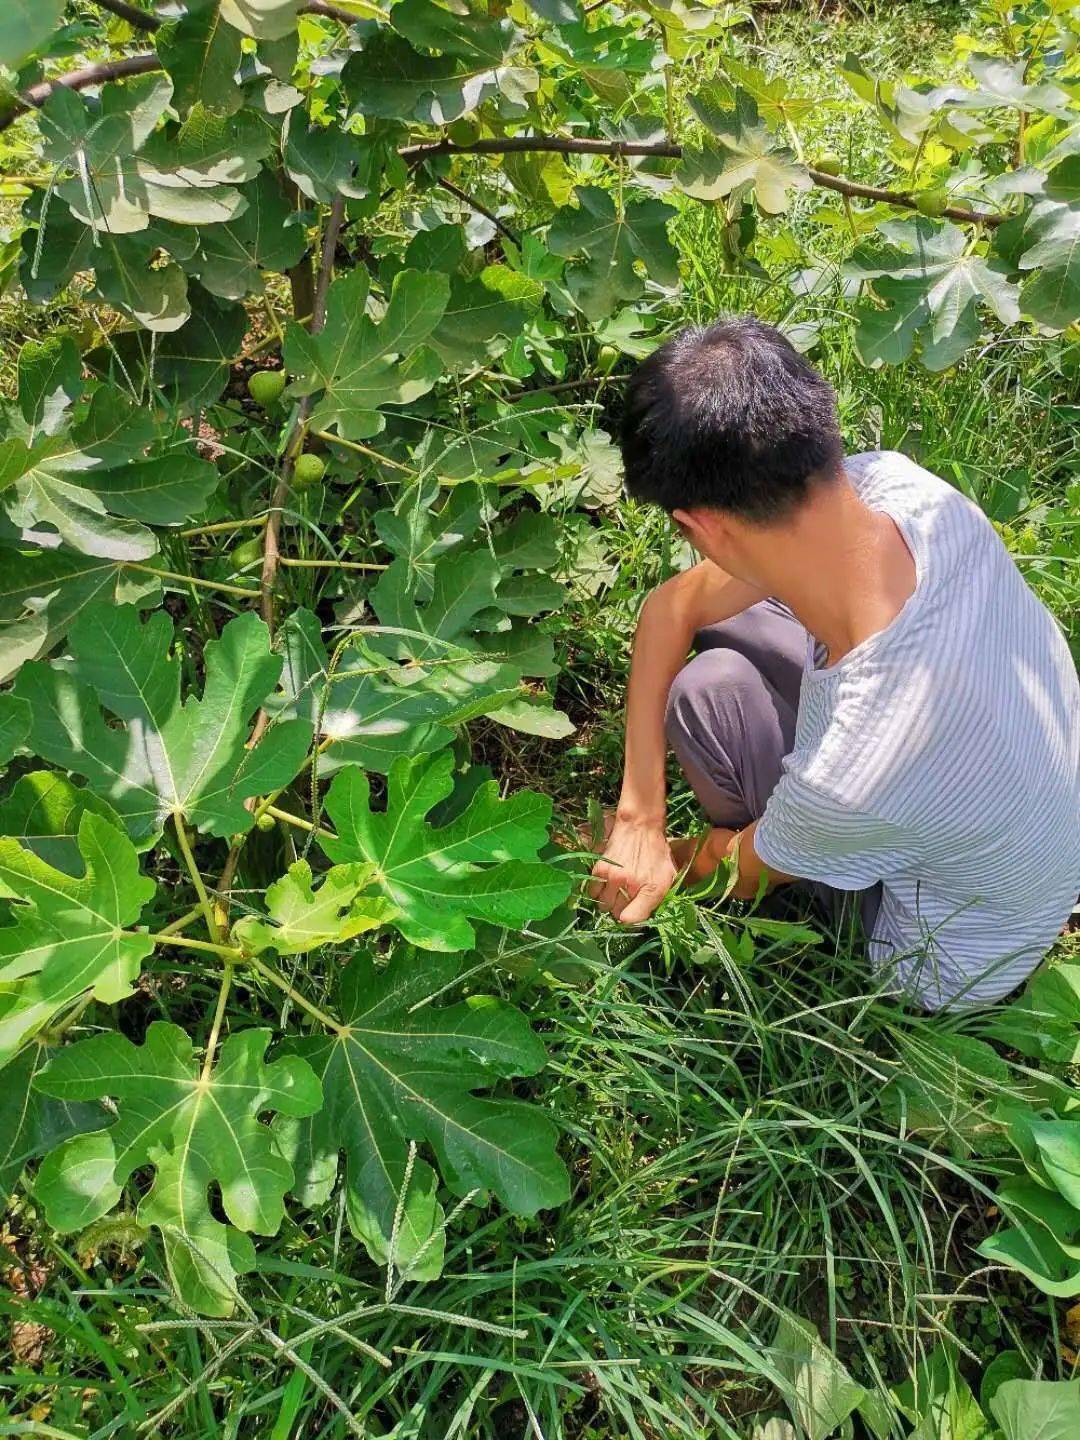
(941, 756)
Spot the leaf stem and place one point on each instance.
(219, 1016)
(269, 973)
(331, 564)
(221, 526)
(184, 921)
(299, 822)
(193, 580)
(163, 937)
(363, 450)
(196, 878)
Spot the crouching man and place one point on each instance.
(876, 701)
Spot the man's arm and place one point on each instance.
(637, 869)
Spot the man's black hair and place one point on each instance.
(731, 416)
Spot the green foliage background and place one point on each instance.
(322, 1109)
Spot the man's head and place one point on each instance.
(728, 425)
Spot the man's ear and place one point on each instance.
(687, 522)
(696, 525)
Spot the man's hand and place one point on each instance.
(636, 872)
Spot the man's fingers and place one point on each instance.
(641, 906)
(602, 875)
(611, 887)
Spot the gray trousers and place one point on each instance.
(731, 720)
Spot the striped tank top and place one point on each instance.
(941, 757)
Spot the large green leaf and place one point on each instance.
(744, 154)
(1037, 1409)
(1001, 82)
(446, 592)
(909, 113)
(42, 592)
(602, 242)
(261, 19)
(480, 864)
(88, 476)
(940, 1401)
(403, 1070)
(1057, 1143)
(201, 55)
(1042, 1241)
(131, 270)
(32, 1123)
(321, 160)
(1045, 1022)
(358, 365)
(14, 726)
(772, 96)
(611, 59)
(943, 1089)
(191, 365)
(24, 26)
(195, 1130)
(932, 283)
(303, 916)
(231, 255)
(166, 757)
(391, 79)
(65, 935)
(478, 323)
(1051, 239)
(821, 1393)
(122, 173)
(376, 709)
(44, 811)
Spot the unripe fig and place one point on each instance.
(607, 359)
(265, 386)
(309, 469)
(265, 822)
(828, 164)
(248, 552)
(932, 202)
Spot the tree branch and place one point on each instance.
(665, 150)
(141, 19)
(332, 12)
(480, 208)
(271, 541)
(79, 80)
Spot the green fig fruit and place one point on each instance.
(932, 203)
(265, 386)
(265, 822)
(607, 359)
(828, 164)
(309, 469)
(248, 552)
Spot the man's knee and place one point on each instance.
(710, 693)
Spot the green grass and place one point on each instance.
(731, 1154)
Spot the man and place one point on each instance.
(877, 703)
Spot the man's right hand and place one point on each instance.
(636, 872)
